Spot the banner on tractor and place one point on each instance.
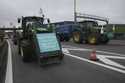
(47, 42)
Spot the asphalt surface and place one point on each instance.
(70, 70)
(3, 60)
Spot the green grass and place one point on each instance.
(120, 29)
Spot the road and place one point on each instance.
(76, 68)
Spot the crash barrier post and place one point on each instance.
(3, 60)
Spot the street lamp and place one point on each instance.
(74, 10)
(41, 12)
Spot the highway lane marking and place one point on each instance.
(105, 59)
(85, 49)
(65, 51)
(9, 74)
(115, 57)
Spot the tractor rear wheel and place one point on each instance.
(104, 39)
(92, 39)
(25, 51)
(77, 37)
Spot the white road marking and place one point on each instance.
(85, 49)
(9, 74)
(104, 59)
(79, 49)
(100, 64)
(112, 53)
(96, 63)
(115, 57)
(65, 50)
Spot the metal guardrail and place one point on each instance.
(3, 60)
(119, 36)
(10, 28)
(80, 15)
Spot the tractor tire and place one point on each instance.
(67, 39)
(61, 57)
(93, 40)
(19, 47)
(19, 50)
(77, 37)
(24, 52)
(15, 42)
(23, 55)
(61, 38)
(104, 39)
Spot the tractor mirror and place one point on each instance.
(19, 20)
(48, 20)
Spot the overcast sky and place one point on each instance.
(60, 10)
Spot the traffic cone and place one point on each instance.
(93, 56)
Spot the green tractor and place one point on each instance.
(37, 41)
(89, 32)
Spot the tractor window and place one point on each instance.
(91, 24)
(36, 24)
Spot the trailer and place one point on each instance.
(64, 30)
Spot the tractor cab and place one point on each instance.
(90, 26)
(35, 24)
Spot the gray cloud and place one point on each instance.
(60, 10)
